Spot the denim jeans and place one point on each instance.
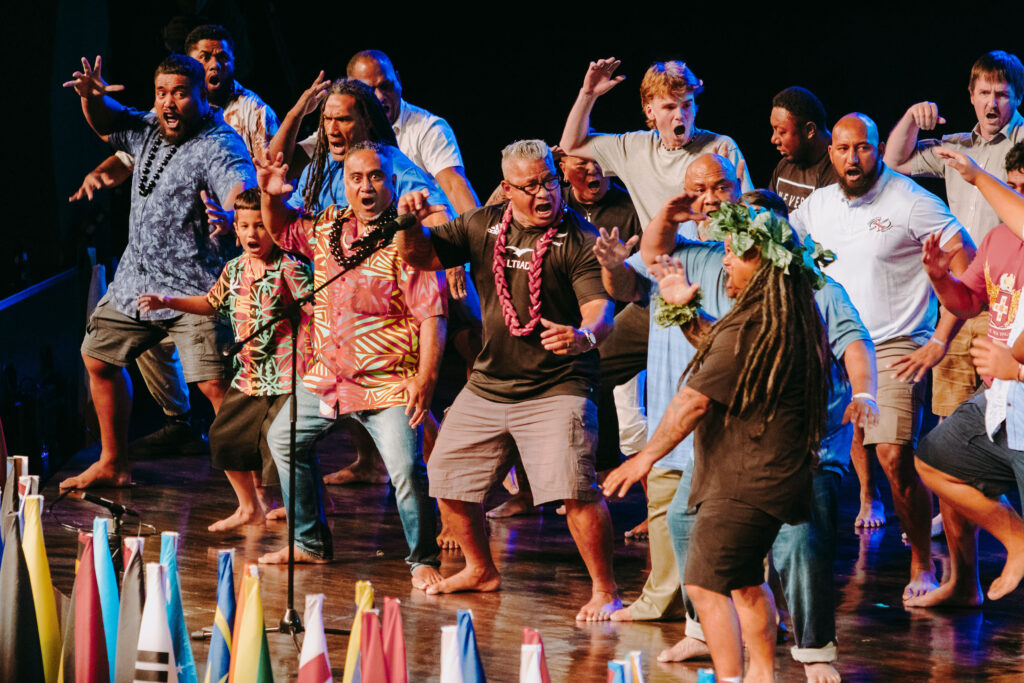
(400, 448)
(803, 556)
(680, 525)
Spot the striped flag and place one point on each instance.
(533, 667)
(20, 656)
(636, 666)
(364, 601)
(394, 641)
(218, 666)
(154, 659)
(42, 587)
(106, 580)
(129, 618)
(251, 571)
(175, 613)
(472, 668)
(251, 658)
(314, 666)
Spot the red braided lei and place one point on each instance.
(501, 284)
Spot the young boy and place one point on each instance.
(253, 288)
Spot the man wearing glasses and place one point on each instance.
(544, 311)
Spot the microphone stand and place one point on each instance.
(362, 248)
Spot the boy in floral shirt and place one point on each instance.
(252, 288)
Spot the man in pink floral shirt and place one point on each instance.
(377, 337)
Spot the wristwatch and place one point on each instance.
(589, 336)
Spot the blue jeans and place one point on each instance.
(399, 447)
(680, 525)
(803, 556)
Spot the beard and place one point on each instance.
(859, 186)
(185, 129)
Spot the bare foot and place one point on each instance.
(519, 504)
(281, 557)
(948, 595)
(871, 515)
(686, 649)
(425, 576)
(240, 518)
(639, 532)
(600, 608)
(924, 583)
(621, 615)
(445, 540)
(347, 476)
(482, 580)
(277, 515)
(99, 474)
(1013, 572)
(821, 672)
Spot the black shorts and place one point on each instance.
(238, 435)
(728, 545)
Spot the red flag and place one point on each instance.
(373, 667)
(394, 641)
(91, 664)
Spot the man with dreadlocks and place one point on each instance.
(755, 397)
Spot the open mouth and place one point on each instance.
(171, 121)
(213, 81)
(336, 146)
(543, 208)
(252, 245)
(594, 185)
(853, 173)
(368, 202)
(991, 115)
(679, 130)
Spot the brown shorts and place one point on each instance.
(238, 435)
(556, 437)
(954, 379)
(900, 404)
(728, 545)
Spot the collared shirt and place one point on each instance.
(249, 293)
(426, 139)
(966, 202)
(366, 324)
(653, 174)
(1005, 400)
(170, 249)
(409, 178)
(877, 240)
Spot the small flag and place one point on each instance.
(451, 662)
(67, 632)
(251, 571)
(364, 601)
(106, 580)
(636, 666)
(373, 667)
(91, 665)
(129, 617)
(533, 667)
(472, 668)
(619, 672)
(42, 587)
(175, 614)
(154, 660)
(218, 666)
(394, 641)
(314, 666)
(20, 656)
(251, 658)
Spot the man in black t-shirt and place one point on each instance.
(534, 384)
(802, 138)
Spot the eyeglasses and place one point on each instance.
(549, 183)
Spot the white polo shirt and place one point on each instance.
(426, 139)
(877, 240)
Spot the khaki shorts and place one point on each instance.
(556, 438)
(113, 337)
(900, 404)
(954, 379)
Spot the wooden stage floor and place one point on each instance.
(544, 584)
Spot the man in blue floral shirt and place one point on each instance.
(183, 150)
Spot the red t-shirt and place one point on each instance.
(997, 277)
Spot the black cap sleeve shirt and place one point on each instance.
(511, 369)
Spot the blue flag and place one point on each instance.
(106, 582)
(175, 614)
(472, 668)
(219, 663)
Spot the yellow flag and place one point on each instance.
(364, 601)
(42, 587)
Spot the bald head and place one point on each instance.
(713, 179)
(374, 68)
(856, 154)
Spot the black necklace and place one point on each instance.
(145, 184)
(365, 245)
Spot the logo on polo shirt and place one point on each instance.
(494, 229)
(879, 224)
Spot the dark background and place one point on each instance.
(498, 73)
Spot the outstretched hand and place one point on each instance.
(610, 251)
(89, 81)
(936, 260)
(961, 163)
(722, 150)
(418, 203)
(312, 96)
(672, 283)
(679, 209)
(621, 479)
(273, 176)
(221, 221)
(92, 182)
(599, 78)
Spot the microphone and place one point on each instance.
(386, 230)
(115, 509)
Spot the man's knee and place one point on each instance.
(101, 369)
(213, 388)
(895, 459)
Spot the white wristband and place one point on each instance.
(865, 395)
(936, 341)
